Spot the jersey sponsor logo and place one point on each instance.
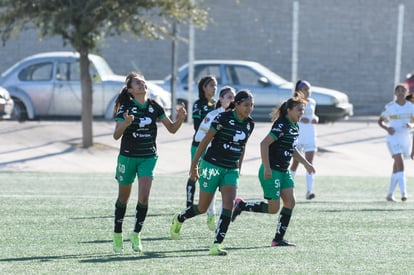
(144, 121)
(209, 173)
(140, 135)
(231, 148)
(240, 135)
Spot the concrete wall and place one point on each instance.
(345, 45)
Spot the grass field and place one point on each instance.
(62, 223)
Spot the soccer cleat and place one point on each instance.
(310, 196)
(236, 209)
(217, 250)
(404, 198)
(118, 243)
(390, 198)
(135, 239)
(281, 243)
(175, 227)
(211, 222)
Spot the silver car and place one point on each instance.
(269, 89)
(48, 85)
(6, 104)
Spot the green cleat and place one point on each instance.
(118, 243)
(136, 242)
(217, 250)
(175, 227)
(211, 222)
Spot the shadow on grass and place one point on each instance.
(112, 257)
(111, 217)
(165, 254)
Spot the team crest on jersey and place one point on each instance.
(231, 122)
(206, 120)
(150, 109)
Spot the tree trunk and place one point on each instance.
(87, 116)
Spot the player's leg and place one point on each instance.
(310, 178)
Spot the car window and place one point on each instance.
(73, 71)
(37, 72)
(62, 71)
(202, 70)
(241, 75)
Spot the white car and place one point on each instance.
(269, 89)
(48, 85)
(6, 104)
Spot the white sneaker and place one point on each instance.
(310, 196)
(390, 198)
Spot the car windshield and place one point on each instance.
(101, 66)
(10, 69)
(270, 75)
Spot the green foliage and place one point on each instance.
(84, 23)
(60, 223)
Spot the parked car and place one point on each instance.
(269, 89)
(48, 85)
(6, 104)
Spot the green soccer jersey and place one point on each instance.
(281, 150)
(139, 139)
(229, 141)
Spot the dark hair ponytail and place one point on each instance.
(291, 103)
(124, 94)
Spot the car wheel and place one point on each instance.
(19, 112)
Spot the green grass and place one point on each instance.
(59, 223)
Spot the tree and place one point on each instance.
(83, 24)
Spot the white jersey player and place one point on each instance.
(307, 134)
(397, 119)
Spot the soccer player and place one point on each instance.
(226, 97)
(277, 150)
(136, 116)
(397, 119)
(220, 166)
(207, 87)
(307, 135)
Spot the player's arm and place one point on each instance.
(264, 154)
(301, 159)
(171, 126)
(121, 125)
(382, 123)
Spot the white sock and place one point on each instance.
(402, 181)
(211, 211)
(309, 182)
(393, 183)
